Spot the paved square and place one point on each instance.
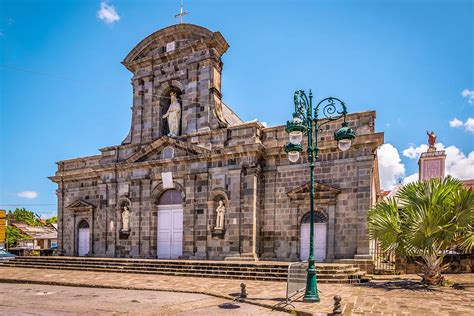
(385, 295)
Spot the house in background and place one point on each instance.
(41, 237)
(3, 219)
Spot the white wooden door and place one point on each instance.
(319, 241)
(83, 242)
(170, 232)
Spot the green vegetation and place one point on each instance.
(25, 216)
(52, 220)
(14, 235)
(426, 220)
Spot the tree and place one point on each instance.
(14, 235)
(52, 220)
(426, 219)
(28, 217)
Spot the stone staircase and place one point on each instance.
(260, 270)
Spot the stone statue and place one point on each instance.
(220, 211)
(431, 139)
(125, 219)
(173, 115)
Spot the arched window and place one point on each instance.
(170, 197)
(83, 224)
(319, 217)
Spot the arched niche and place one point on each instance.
(164, 100)
(217, 195)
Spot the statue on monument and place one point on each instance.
(220, 211)
(125, 219)
(431, 139)
(173, 115)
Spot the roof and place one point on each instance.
(468, 183)
(36, 232)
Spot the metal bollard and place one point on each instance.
(243, 291)
(337, 309)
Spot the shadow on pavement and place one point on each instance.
(399, 285)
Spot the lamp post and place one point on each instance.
(305, 122)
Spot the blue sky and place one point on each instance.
(64, 93)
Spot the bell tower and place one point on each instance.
(180, 63)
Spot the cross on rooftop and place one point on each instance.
(181, 13)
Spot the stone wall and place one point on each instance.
(463, 263)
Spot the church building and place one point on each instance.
(192, 180)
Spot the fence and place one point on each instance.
(384, 261)
(296, 282)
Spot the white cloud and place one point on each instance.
(469, 125)
(411, 178)
(28, 194)
(413, 152)
(469, 95)
(390, 166)
(107, 13)
(391, 169)
(457, 165)
(455, 123)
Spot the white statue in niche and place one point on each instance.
(173, 115)
(125, 219)
(220, 212)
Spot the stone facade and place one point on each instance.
(215, 157)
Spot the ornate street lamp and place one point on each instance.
(304, 122)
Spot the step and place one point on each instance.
(258, 278)
(253, 272)
(157, 269)
(265, 271)
(325, 270)
(193, 268)
(145, 262)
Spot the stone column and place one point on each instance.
(250, 214)
(145, 218)
(111, 219)
(147, 110)
(363, 204)
(189, 217)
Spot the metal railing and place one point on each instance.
(296, 281)
(384, 261)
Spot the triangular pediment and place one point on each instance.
(80, 204)
(152, 151)
(320, 191)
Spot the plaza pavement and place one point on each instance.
(39, 299)
(385, 295)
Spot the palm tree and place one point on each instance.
(426, 219)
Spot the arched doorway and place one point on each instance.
(320, 236)
(83, 238)
(170, 225)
